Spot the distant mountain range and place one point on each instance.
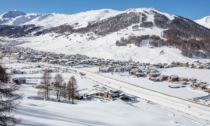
(204, 21)
(110, 33)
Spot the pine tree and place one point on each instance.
(45, 88)
(63, 91)
(8, 99)
(71, 89)
(58, 81)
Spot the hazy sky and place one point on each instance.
(193, 9)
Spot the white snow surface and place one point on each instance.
(55, 19)
(205, 21)
(105, 47)
(33, 111)
(36, 112)
(101, 46)
(83, 18)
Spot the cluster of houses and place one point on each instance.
(152, 72)
(145, 68)
(77, 60)
(195, 65)
(102, 92)
(105, 65)
(178, 82)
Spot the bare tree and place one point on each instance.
(46, 80)
(58, 81)
(4, 77)
(8, 99)
(71, 89)
(63, 91)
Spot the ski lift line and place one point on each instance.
(140, 18)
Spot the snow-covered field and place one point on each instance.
(186, 92)
(34, 111)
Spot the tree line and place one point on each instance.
(9, 99)
(57, 86)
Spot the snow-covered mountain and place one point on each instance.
(205, 21)
(53, 19)
(138, 34)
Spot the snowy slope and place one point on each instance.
(80, 19)
(105, 47)
(100, 46)
(54, 19)
(204, 21)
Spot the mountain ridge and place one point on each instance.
(139, 27)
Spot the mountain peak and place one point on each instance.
(13, 14)
(205, 21)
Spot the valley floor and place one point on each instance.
(34, 111)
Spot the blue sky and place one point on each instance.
(193, 9)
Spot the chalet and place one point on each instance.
(135, 28)
(173, 78)
(102, 94)
(207, 66)
(22, 57)
(174, 86)
(191, 66)
(125, 98)
(69, 63)
(199, 66)
(134, 71)
(192, 80)
(18, 72)
(19, 80)
(183, 79)
(194, 85)
(115, 93)
(15, 55)
(167, 66)
(159, 65)
(82, 74)
(154, 78)
(52, 61)
(106, 69)
(119, 69)
(175, 64)
(35, 60)
(208, 89)
(154, 73)
(202, 87)
(140, 74)
(184, 64)
(184, 82)
(163, 77)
